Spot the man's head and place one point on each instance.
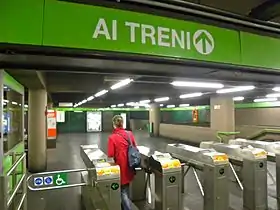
(117, 121)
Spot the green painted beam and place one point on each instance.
(12, 83)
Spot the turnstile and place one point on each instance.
(214, 166)
(272, 148)
(167, 171)
(273, 154)
(143, 182)
(254, 172)
(103, 180)
(162, 185)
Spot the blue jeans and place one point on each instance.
(126, 203)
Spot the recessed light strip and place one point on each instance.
(257, 100)
(235, 89)
(122, 83)
(197, 84)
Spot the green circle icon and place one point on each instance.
(115, 186)
(172, 179)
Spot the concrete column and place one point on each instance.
(222, 114)
(154, 117)
(37, 146)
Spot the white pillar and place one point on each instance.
(37, 146)
(154, 118)
(222, 115)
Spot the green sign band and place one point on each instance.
(73, 25)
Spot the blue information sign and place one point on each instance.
(38, 181)
(48, 180)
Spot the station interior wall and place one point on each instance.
(248, 121)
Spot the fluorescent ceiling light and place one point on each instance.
(238, 98)
(121, 83)
(83, 101)
(236, 89)
(161, 99)
(75, 105)
(120, 105)
(6, 101)
(100, 93)
(265, 100)
(184, 105)
(274, 95)
(276, 89)
(197, 84)
(131, 104)
(161, 105)
(113, 106)
(144, 101)
(15, 103)
(90, 98)
(136, 107)
(191, 95)
(170, 106)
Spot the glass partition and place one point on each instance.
(11, 123)
(12, 118)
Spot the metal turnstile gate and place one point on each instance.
(214, 167)
(100, 181)
(158, 182)
(253, 162)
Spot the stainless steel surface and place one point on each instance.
(138, 186)
(3, 192)
(236, 177)
(214, 166)
(9, 201)
(15, 191)
(270, 147)
(236, 152)
(254, 172)
(166, 190)
(102, 188)
(194, 154)
(16, 164)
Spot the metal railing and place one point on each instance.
(221, 134)
(7, 196)
(33, 176)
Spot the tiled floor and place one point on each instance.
(67, 156)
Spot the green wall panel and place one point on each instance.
(260, 51)
(75, 122)
(183, 116)
(21, 21)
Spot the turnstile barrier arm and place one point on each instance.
(198, 182)
(236, 177)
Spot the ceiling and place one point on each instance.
(75, 87)
(266, 10)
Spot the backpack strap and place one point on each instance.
(127, 139)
